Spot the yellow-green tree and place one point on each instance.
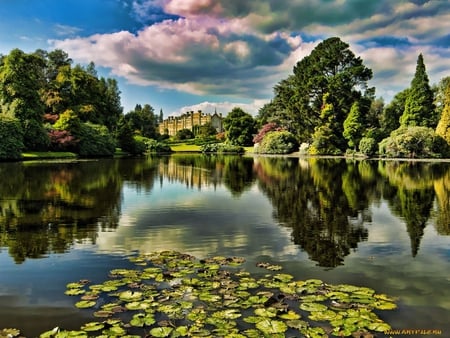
(443, 127)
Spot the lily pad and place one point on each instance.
(84, 304)
(130, 296)
(93, 326)
(268, 326)
(161, 331)
(310, 307)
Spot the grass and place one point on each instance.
(184, 147)
(36, 155)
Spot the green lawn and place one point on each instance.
(184, 147)
(36, 155)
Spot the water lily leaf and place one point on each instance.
(140, 319)
(283, 277)
(74, 292)
(310, 307)
(315, 332)
(93, 326)
(161, 331)
(227, 314)
(268, 326)
(290, 315)
(129, 296)
(313, 298)
(75, 285)
(380, 327)
(83, 304)
(322, 315)
(385, 305)
(103, 314)
(253, 319)
(266, 312)
(10, 333)
(115, 331)
(252, 333)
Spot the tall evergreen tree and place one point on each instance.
(419, 105)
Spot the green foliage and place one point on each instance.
(390, 119)
(126, 140)
(419, 104)
(353, 128)
(239, 127)
(278, 142)
(368, 146)
(184, 134)
(143, 120)
(412, 142)
(206, 131)
(154, 146)
(95, 140)
(330, 68)
(35, 136)
(11, 142)
(325, 139)
(68, 121)
(221, 148)
(443, 127)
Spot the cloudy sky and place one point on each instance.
(180, 55)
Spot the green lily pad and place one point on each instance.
(130, 296)
(93, 326)
(290, 315)
(84, 304)
(380, 327)
(268, 326)
(297, 324)
(322, 315)
(161, 331)
(266, 312)
(74, 292)
(10, 333)
(310, 307)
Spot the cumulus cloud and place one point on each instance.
(241, 49)
(202, 56)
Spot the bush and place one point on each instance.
(154, 146)
(11, 141)
(35, 136)
(278, 142)
(412, 142)
(222, 148)
(184, 134)
(95, 140)
(368, 146)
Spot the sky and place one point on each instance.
(213, 55)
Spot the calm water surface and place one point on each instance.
(384, 225)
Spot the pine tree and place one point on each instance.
(419, 105)
(443, 127)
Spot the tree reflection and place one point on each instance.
(442, 189)
(47, 207)
(412, 195)
(312, 198)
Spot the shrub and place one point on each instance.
(154, 146)
(268, 127)
(11, 141)
(278, 142)
(35, 136)
(62, 140)
(413, 142)
(368, 146)
(222, 148)
(184, 134)
(95, 140)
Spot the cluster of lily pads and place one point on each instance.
(171, 294)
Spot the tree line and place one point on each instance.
(325, 107)
(328, 106)
(49, 104)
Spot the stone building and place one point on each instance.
(190, 120)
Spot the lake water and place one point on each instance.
(381, 224)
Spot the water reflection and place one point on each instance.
(46, 208)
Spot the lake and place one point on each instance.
(380, 224)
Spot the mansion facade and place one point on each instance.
(190, 120)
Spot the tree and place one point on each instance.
(20, 82)
(11, 143)
(143, 120)
(239, 127)
(390, 118)
(443, 127)
(353, 127)
(330, 68)
(419, 105)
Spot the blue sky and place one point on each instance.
(180, 55)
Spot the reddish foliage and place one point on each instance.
(52, 118)
(62, 140)
(271, 126)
